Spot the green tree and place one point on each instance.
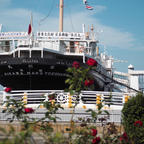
(133, 118)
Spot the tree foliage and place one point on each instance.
(133, 118)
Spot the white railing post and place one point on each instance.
(4, 97)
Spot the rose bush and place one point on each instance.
(79, 77)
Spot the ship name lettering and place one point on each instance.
(3, 62)
(30, 61)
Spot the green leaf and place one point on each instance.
(105, 111)
(67, 81)
(71, 92)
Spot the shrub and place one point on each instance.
(133, 118)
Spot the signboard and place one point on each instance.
(13, 35)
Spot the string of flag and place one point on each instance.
(87, 6)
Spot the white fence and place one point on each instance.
(86, 99)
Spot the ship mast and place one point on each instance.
(61, 16)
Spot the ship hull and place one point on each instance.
(37, 73)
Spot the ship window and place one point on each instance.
(42, 34)
(59, 34)
(141, 82)
(141, 78)
(62, 34)
(36, 54)
(66, 34)
(56, 34)
(24, 54)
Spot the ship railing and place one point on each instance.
(86, 99)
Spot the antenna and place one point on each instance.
(83, 28)
(98, 32)
(0, 27)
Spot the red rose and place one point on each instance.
(94, 132)
(96, 140)
(121, 138)
(91, 62)
(76, 64)
(88, 82)
(51, 96)
(124, 137)
(91, 82)
(138, 123)
(7, 89)
(28, 110)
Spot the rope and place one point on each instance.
(70, 17)
(43, 19)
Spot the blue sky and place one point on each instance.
(119, 23)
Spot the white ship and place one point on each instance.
(36, 61)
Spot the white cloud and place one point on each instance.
(16, 19)
(4, 3)
(113, 37)
(99, 8)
